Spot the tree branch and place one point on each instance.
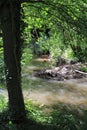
(81, 72)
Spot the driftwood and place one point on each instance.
(62, 72)
(81, 72)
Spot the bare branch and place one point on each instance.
(81, 72)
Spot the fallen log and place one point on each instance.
(81, 72)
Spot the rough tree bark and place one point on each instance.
(12, 56)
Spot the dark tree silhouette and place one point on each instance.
(12, 55)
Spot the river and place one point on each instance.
(71, 94)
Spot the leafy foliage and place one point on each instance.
(84, 68)
(26, 56)
(67, 22)
(2, 71)
(35, 112)
(67, 19)
(62, 120)
(3, 103)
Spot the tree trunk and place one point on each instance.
(12, 57)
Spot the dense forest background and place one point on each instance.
(59, 25)
(30, 29)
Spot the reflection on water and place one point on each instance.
(71, 93)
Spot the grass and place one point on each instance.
(63, 120)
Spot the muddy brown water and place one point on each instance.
(71, 94)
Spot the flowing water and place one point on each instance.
(71, 94)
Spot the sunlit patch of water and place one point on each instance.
(73, 93)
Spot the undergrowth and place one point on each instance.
(63, 120)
